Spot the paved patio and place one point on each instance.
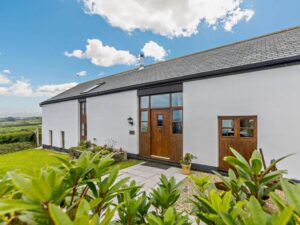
(148, 174)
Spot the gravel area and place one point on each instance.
(188, 189)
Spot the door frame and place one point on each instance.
(236, 132)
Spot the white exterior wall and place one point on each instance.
(107, 120)
(273, 95)
(63, 116)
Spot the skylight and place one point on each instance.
(92, 88)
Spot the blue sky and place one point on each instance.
(38, 39)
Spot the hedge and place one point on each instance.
(25, 136)
(14, 147)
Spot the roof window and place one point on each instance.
(92, 88)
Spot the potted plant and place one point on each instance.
(186, 163)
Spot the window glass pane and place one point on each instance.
(144, 116)
(227, 123)
(177, 99)
(247, 123)
(144, 102)
(246, 133)
(160, 101)
(227, 132)
(144, 127)
(177, 115)
(177, 128)
(160, 120)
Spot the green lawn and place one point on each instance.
(28, 160)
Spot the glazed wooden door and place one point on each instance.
(160, 133)
(83, 123)
(238, 132)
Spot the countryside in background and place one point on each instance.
(19, 133)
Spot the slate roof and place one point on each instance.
(278, 47)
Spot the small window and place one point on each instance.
(247, 128)
(177, 99)
(144, 101)
(92, 88)
(82, 129)
(227, 127)
(144, 121)
(62, 139)
(177, 125)
(160, 120)
(50, 138)
(160, 101)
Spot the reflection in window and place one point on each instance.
(160, 101)
(247, 123)
(227, 127)
(160, 120)
(177, 99)
(144, 102)
(144, 121)
(177, 125)
(246, 133)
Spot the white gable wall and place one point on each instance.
(62, 116)
(273, 95)
(107, 120)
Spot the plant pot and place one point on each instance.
(186, 169)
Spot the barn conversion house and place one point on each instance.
(245, 95)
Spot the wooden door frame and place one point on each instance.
(236, 131)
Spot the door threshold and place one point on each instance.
(160, 157)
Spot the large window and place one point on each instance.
(144, 101)
(177, 99)
(160, 101)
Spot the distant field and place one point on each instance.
(18, 133)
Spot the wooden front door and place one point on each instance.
(238, 132)
(160, 133)
(83, 122)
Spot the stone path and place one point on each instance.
(148, 176)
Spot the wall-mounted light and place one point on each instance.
(130, 120)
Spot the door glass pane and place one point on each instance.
(160, 101)
(177, 115)
(246, 133)
(227, 127)
(177, 99)
(247, 123)
(144, 127)
(160, 119)
(144, 102)
(177, 127)
(144, 116)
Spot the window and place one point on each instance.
(82, 129)
(159, 120)
(227, 127)
(177, 99)
(144, 121)
(62, 133)
(177, 125)
(92, 88)
(82, 108)
(246, 128)
(144, 102)
(160, 101)
(50, 137)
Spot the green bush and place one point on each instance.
(16, 137)
(14, 147)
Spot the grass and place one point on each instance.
(28, 160)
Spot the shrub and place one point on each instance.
(14, 147)
(16, 137)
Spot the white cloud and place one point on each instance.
(53, 89)
(154, 50)
(81, 73)
(6, 71)
(103, 55)
(169, 17)
(4, 79)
